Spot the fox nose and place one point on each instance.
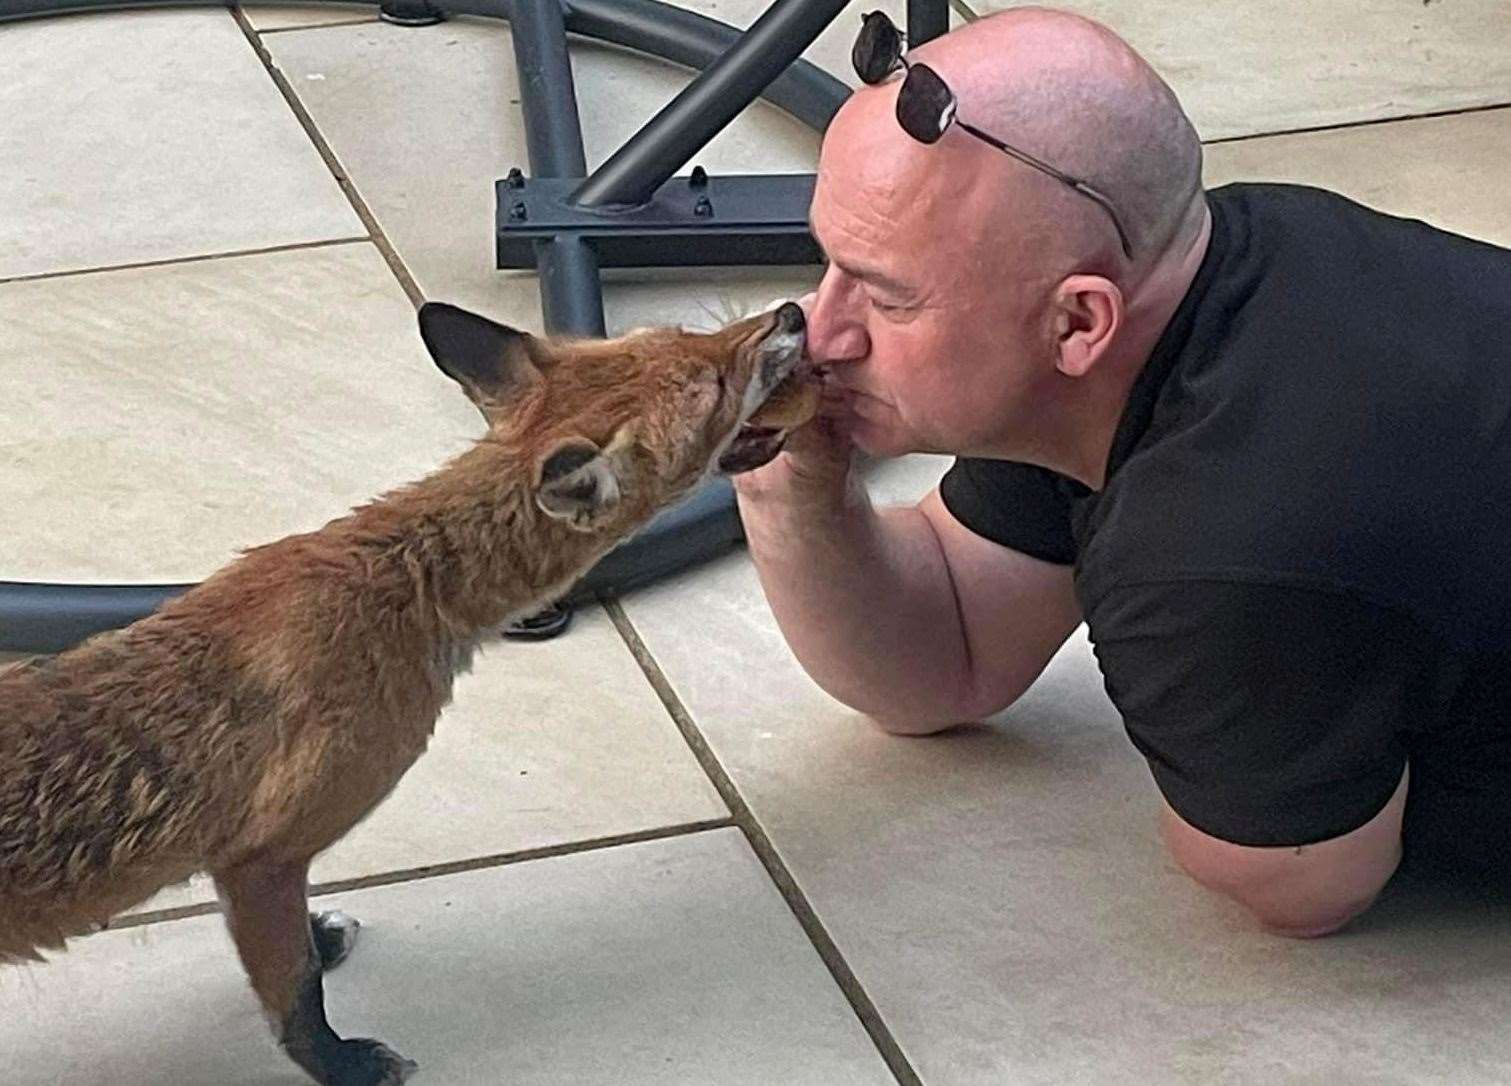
(789, 318)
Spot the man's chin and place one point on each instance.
(878, 443)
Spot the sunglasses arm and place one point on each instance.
(1059, 175)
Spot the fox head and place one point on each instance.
(610, 430)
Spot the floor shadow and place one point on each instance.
(1426, 896)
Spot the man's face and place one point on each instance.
(926, 321)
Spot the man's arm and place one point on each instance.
(902, 614)
(1273, 717)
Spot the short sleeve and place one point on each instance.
(1269, 714)
(1021, 506)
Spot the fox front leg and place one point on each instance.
(266, 910)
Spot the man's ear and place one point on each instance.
(493, 363)
(1088, 316)
(578, 482)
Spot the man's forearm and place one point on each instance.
(864, 599)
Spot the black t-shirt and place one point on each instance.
(1296, 575)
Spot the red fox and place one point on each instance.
(250, 723)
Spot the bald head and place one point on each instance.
(1066, 90)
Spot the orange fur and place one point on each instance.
(250, 723)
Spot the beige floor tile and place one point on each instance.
(668, 962)
(280, 17)
(1445, 170)
(1243, 68)
(161, 418)
(142, 136)
(1001, 895)
(430, 184)
(904, 480)
(545, 744)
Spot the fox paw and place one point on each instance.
(335, 934)
(365, 1062)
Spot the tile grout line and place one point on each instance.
(197, 258)
(1343, 125)
(453, 867)
(312, 26)
(744, 819)
(359, 205)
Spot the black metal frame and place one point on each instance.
(567, 224)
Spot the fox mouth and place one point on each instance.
(755, 445)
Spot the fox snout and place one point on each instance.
(783, 347)
(759, 438)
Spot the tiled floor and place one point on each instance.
(566, 889)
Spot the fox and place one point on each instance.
(248, 724)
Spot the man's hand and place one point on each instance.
(903, 614)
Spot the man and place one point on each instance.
(1257, 439)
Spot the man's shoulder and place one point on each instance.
(1331, 418)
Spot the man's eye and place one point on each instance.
(884, 307)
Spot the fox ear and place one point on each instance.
(493, 363)
(579, 482)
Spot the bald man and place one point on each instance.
(1264, 454)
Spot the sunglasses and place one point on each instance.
(926, 107)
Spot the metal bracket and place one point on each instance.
(690, 221)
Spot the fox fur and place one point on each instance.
(250, 723)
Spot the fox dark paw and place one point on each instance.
(365, 1062)
(335, 934)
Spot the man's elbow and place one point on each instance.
(910, 725)
(942, 715)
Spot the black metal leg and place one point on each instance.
(571, 293)
(927, 19)
(548, 97)
(710, 522)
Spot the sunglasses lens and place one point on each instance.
(925, 106)
(877, 48)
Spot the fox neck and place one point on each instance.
(474, 548)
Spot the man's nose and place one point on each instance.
(834, 335)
